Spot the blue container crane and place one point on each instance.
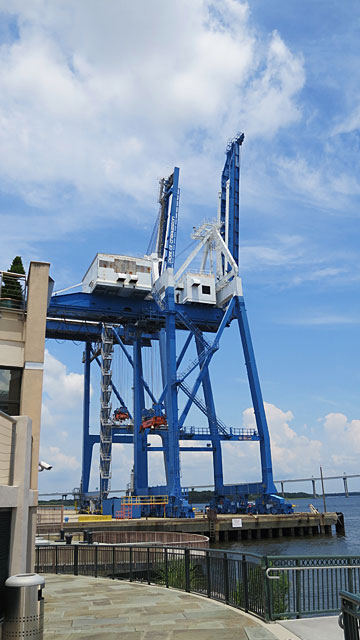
(130, 304)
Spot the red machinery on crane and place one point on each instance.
(152, 421)
(121, 414)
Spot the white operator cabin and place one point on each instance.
(130, 276)
(126, 275)
(119, 275)
(196, 287)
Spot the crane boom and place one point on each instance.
(229, 219)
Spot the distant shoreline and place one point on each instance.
(203, 497)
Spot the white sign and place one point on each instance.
(236, 523)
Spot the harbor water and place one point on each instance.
(337, 545)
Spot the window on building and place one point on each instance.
(205, 289)
(10, 388)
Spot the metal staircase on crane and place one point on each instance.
(106, 422)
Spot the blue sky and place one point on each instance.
(97, 104)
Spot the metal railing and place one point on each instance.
(300, 586)
(349, 619)
(12, 290)
(235, 579)
(270, 587)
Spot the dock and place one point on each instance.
(223, 528)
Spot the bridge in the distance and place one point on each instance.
(313, 479)
(344, 477)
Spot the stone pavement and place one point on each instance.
(325, 628)
(79, 607)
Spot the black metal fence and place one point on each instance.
(309, 585)
(235, 579)
(350, 615)
(271, 587)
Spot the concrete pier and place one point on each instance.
(223, 528)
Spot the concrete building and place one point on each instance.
(23, 307)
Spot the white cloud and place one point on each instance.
(351, 123)
(292, 454)
(60, 460)
(324, 274)
(339, 429)
(322, 184)
(63, 390)
(270, 103)
(106, 100)
(286, 250)
(61, 425)
(319, 318)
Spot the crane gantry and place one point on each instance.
(130, 304)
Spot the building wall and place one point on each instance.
(7, 442)
(35, 327)
(22, 345)
(12, 337)
(17, 495)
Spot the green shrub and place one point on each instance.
(279, 592)
(176, 574)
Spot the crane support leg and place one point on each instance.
(140, 438)
(215, 440)
(256, 396)
(171, 399)
(87, 440)
(165, 436)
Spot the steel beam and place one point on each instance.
(145, 314)
(215, 439)
(88, 442)
(171, 400)
(140, 438)
(256, 396)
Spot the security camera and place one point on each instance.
(44, 466)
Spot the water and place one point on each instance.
(348, 545)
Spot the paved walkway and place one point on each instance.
(325, 628)
(83, 607)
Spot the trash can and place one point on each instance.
(24, 609)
